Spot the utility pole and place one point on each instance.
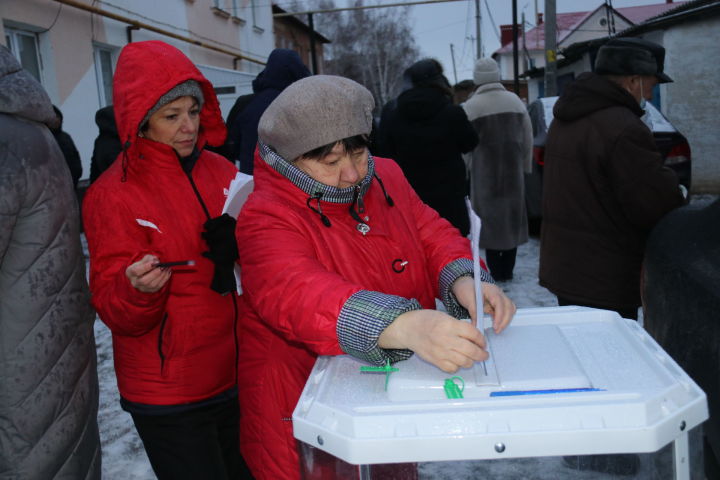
(478, 21)
(452, 55)
(550, 49)
(515, 48)
(313, 55)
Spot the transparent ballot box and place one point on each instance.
(567, 391)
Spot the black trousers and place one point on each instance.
(501, 263)
(624, 312)
(199, 443)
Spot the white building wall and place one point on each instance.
(67, 58)
(595, 26)
(691, 102)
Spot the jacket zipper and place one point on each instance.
(160, 342)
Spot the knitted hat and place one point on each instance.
(631, 56)
(486, 71)
(427, 72)
(313, 112)
(189, 88)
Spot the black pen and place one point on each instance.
(180, 263)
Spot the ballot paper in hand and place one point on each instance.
(238, 191)
(475, 226)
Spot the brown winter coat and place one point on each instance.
(605, 187)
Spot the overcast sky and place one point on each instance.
(437, 26)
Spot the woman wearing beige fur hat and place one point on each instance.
(340, 256)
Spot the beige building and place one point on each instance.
(71, 47)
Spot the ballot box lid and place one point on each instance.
(561, 381)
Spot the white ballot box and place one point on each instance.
(562, 382)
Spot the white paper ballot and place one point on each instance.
(490, 374)
(240, 188)
(475, 225)
(238, 191)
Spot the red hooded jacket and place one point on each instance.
(177, 345)
(298, 274)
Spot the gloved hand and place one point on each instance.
(219, 234)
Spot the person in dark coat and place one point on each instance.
(230, 149)
(426, 135)
(283, 68)
(605, 185)
(107, 144)
(48, 365)
(67, 146)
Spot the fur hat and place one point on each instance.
(631, 56)
(313, 112)
(486, 71)
(189, 88)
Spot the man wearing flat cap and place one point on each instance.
(605, 185)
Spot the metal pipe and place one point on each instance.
(364, 7)
(313, 57)
(516, 81)
(137, 24)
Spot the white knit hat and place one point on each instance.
(486, 71)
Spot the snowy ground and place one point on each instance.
(124, 456)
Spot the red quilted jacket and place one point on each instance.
(297, 274)
(177, 345)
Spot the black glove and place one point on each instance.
(219, 234)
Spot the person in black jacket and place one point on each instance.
(426, 135)
(283, 68)
(67, 146)
(107, 144)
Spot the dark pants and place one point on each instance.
(501, 263)
(624, 312)
(200, 443)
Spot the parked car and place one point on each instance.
(672, 144)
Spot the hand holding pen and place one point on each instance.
(145, 276)
(179, 263)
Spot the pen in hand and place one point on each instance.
(180, 263)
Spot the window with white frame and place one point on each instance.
(104, 73)
(24, 46)
(253, 10)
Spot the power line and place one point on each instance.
(492, 20)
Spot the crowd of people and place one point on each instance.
(353, 229)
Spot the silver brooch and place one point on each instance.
(363, 228)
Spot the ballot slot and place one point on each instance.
(528, 358)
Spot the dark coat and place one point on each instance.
(67, 147)
(605, 187)
(107, 144)
(48, 374)
(283, 68)
(426, 135)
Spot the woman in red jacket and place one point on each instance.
(339, 255)
(173, 328)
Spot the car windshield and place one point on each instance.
(655, 120)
